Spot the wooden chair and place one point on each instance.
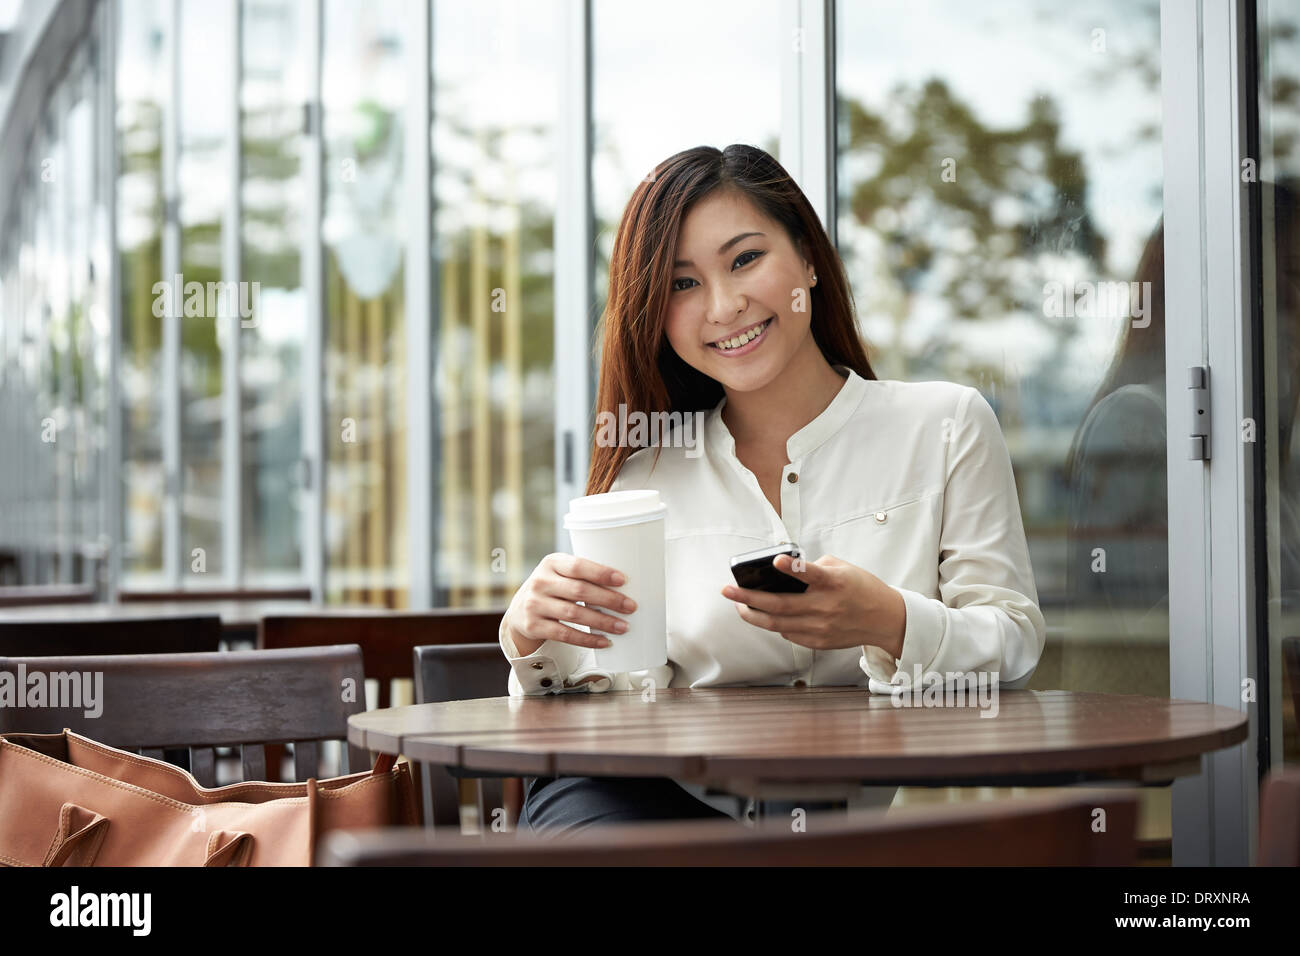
(1279, 819)
(386, 638)
(1291, 670)
(1033, 831)
(211, 594)
(242, 699)
(44, 594)
(463, 672)
(146, 635)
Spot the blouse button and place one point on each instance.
(545, 682)
(801, 683)
(538, 665)
(880, 517)
(792, 477)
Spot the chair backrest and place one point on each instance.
(1291, 668)
(1035, 831)
(142, 635)
(210, 594)
(1279, 819)
(147, 702)
(33, 594)
(386, 638)
(461, 672)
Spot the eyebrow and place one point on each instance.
(682, 263)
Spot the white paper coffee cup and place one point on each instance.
(624, 530)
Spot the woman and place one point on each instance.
(726, 297)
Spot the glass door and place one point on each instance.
(999, 210)
(1276, 86)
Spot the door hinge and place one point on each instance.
(1198, 388)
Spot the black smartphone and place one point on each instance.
(754, 570)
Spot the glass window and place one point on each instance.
(363, 91)
(1278, 40)
(203, 188)
(270, 345)
(86, 382)
(495, 76)
(1000, 217)
(45, 324)
(141, 74)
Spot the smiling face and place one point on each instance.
(731, 308)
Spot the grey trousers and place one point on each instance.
(569, 804)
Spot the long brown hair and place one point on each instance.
(638, 367)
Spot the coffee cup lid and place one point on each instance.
(614, 508)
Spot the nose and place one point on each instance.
(725, 304)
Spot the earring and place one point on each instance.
(814, 281)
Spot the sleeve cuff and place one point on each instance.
(922, 635)
(554, 668)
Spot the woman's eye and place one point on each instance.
(737, 264)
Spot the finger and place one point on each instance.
(807, 571)
(582, 569)
(555, 631)
(802, 629)
(554, 609)
(570, 589)
(768, 601)
(768, 621)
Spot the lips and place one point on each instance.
(742, 340)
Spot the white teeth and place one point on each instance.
(739, 340)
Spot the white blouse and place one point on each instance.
(910, 480)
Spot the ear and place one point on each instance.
(804, 253)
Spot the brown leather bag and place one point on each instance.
(66, 800)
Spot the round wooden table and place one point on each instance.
(813, 741)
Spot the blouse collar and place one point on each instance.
(834, 417)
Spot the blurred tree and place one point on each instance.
(960, 206)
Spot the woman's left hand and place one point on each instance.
(844, 606)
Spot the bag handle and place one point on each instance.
(78, 838)
(384, 763)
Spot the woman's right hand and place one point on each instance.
(550, 596)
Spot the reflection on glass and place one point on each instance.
(270, 344)
(56, 349)
(139, 247)
(1278, 29)
(54, 339)
(363, 90)
(86, 381)
(1000, 179)
(494, 190)
(204, 185)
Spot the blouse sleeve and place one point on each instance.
(987, 618)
